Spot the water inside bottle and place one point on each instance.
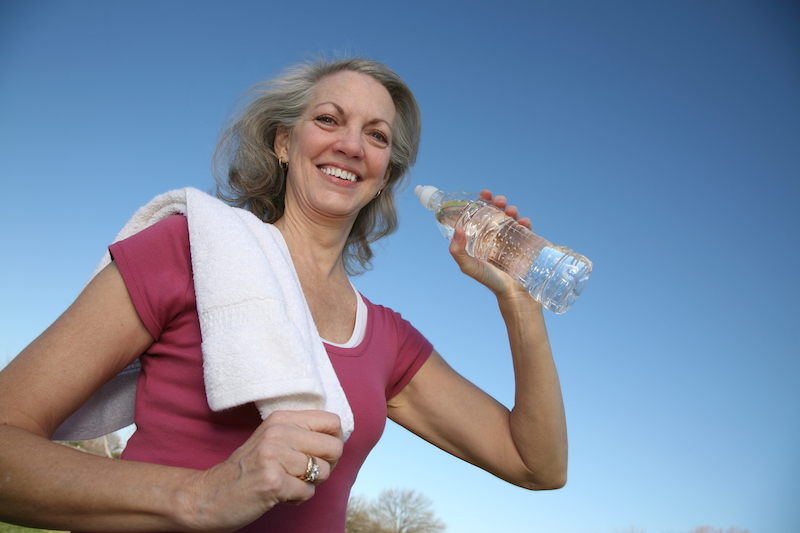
(554, 275)
(500, 240)
(557, 278)
(447, 215)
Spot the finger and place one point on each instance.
(306, 432)
(458, 249)
(310, 420)
(298, 491)
(311, 469)
(500, 201)
(458, 244)
(512, 211)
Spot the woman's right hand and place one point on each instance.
(54, 487)
(265, 471)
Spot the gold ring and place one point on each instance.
(312, 470)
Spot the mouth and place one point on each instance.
(339, 173)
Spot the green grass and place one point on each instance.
(8, 528)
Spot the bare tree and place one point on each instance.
(406, 511)
(394, 511)
(361, 517)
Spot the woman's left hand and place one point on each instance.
(527, 446)
(492, 277)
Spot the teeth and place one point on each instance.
(339, 173)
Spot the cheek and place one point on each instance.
(387, 171)
(383, 164)
(304, 141)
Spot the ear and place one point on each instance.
(281, 144)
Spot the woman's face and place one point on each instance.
(339, 151)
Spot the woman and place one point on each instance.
(318, 154)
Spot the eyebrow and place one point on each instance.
(340, 109)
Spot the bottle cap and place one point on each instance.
(425, 194)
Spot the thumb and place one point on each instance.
(458, 245)
(458, 249)
(481, 271)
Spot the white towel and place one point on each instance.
(260, 343)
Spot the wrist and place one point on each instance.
(189, 506)
(516, 301)
(513, 292)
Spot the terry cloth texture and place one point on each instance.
(260, 343)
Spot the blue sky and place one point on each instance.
(659, 139)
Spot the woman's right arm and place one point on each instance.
(47, 485)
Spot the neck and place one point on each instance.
(316, 249)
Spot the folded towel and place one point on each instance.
(260, 343)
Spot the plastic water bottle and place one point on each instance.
(554, 275)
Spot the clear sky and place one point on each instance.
(659, 139)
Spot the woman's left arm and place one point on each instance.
(526, 446)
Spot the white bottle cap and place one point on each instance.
(425, 193)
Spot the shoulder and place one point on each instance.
(387, 323)
(171, 227)
(379, 309)
(156, 267)
(167, 237)
(382, 315)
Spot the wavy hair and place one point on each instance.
(246, 167)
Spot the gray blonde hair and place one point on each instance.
(246, 167)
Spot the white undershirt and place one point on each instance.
(360, 328)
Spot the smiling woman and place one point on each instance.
(247, 170)
(338, 152)
(314, 157)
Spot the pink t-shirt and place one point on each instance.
(176, 427)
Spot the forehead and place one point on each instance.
(355, 93)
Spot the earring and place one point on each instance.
(379, 193)
(284, 166)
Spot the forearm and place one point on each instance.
(47, 485)
(537, 421)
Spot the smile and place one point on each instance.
(339, 173)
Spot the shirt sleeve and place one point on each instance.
(157, 270)
(413, 350)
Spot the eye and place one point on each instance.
(380, 136)
(325, 119)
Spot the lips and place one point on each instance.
(339, 173)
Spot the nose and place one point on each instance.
(350, 143)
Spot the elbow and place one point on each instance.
(556, 482)
(547, 484)
(552, 479)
